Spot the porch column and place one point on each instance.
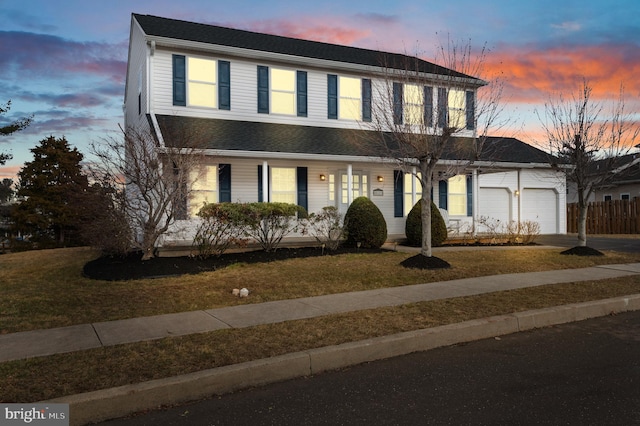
(414, 188)
(349, 184)
(266, 196)
(475, 181)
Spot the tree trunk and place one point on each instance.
(426, 214)
(582, 224)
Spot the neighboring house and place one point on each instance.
(280, 114)
(623, 183)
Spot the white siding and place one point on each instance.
(136, 67)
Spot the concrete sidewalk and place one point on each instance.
(86, 336)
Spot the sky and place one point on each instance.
(64, 62)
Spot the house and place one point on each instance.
(279, 115)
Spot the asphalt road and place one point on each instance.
(628, 245)
(585, 373)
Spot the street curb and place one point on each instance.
(123, 400)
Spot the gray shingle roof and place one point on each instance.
(269, 137)
(212, 34)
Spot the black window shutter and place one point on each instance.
(224, 85)
(366, 100)
(397, 103)
(443, 189)
(471, 110)
(398, 193)
(224, 182)
(303, 187)
(469, 195)
(332, 96)
(428, 106)
(301, 93)
(443, 103)
(179, 80)
(263, 89)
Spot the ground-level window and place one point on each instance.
(457, 195)
(204, 189)
(412, 190)
(625, 196)
(607, 197)
(283, 185)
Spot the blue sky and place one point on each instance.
(64, 61)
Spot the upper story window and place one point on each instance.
(456, 108)
(349, 98)
(282, 91)
(201, 82)
(413, 104)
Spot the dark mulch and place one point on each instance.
(583, 251)
(131, 267)
(425, 262)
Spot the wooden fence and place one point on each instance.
(607, 217)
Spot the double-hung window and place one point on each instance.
(283, 185)
(201, 82)
(204, 189)
(413, 98)
(456, 103)
(282, 91)
(456, 108)
(349, 98)
(457, 196)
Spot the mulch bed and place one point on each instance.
(131, 267)
(583, 251)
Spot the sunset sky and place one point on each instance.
(64, 61)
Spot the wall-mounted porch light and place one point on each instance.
(323, 178)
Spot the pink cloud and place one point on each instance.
(534, 74)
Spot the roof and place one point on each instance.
(213, 34)
(231, 135)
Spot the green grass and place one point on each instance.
(53, 293)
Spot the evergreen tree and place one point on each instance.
(49, 187)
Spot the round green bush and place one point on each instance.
(365, 224)
(413, 226)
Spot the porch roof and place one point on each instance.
(253, 136)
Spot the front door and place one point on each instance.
(359, 187)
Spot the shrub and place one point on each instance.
(413, 226)
(365, 224)
(268, 223)
(221, 225)
(327, 227)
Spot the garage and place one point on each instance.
(541, 205)
(495, 204)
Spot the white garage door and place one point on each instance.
(495, 204)
(541, 205)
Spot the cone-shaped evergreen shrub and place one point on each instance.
(413, 226)
(365, 224)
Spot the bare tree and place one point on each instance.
(423, 112)
(156, 179)
(589, 137)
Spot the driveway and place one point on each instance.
(628, 244)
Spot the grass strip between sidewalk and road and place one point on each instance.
(65, 374)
